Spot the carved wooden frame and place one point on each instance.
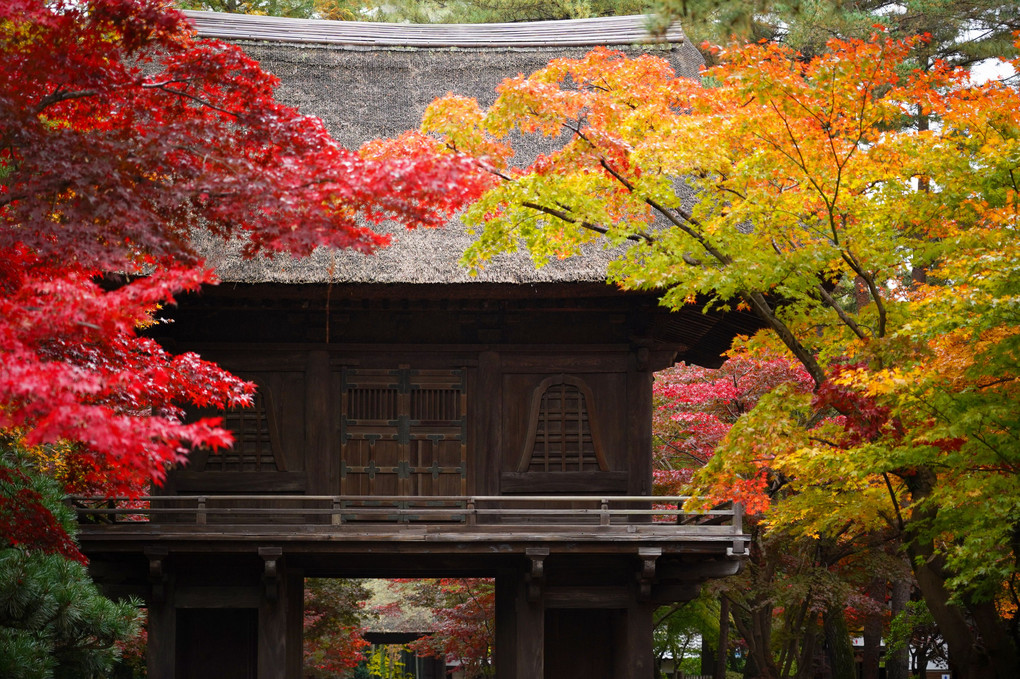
(536, 404)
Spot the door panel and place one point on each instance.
(402, 432)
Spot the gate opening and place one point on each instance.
(407, 628)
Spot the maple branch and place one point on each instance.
(1003, 380)
(669, 614)
(858, 269)
(843, 316)
(700, 460)
(661, 209)
(479, 605)
(895, 503)
(800, 160)
(747, 609)
(58, 95)
(755, 299)
(766, 313)
(169, 90)
(668, 214)
(801, 163)
(560, 214)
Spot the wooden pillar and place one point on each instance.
(520, 629)
(161, 653)
(506, 624)
(295, 623)
(639, 425)
(162, 645)
(323, 479)
(280, 619)
(487, 447)
(530, 636)
(635, 658)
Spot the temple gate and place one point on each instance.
(413, 421)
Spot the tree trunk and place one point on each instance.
(979, 647)
(755, 628)
(709, 656)
(809, 640)
(839, 648)
(719, 671)
(873, 630)
(897, 663)
(921, 662)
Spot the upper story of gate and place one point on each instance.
(400, 373)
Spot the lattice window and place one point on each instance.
(255, 442)
(373, 402)
(562, 436)
(432, 404)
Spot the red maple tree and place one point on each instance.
(695, 408)
(462, 625)
(121, 135)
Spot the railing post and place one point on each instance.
(200, 514)
(738, 528)
(604, 512)
(472, 519)
(336, 517)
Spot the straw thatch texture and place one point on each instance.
(364, 91)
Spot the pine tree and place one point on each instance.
(53, 620)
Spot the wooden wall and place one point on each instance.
(430, 396)
(422, 422)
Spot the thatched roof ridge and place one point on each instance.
(620, 30)
(368, 92)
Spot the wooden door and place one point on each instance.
(402, 432)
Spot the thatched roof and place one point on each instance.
(370, 80)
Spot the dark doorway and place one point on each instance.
(580, 642)
(217, 643)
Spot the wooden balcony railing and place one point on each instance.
(581, 509)
(336, 514)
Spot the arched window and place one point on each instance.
(562, 435)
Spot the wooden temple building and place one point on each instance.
(414, 421)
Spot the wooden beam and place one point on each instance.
(564, 482)
(217, 597)
(593, 597)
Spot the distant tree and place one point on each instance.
(502, 11)
(695, 407)
(463, 620)
(679, 631)
(960, 32)
(793, 590)
(334, 624)
(426, 11)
